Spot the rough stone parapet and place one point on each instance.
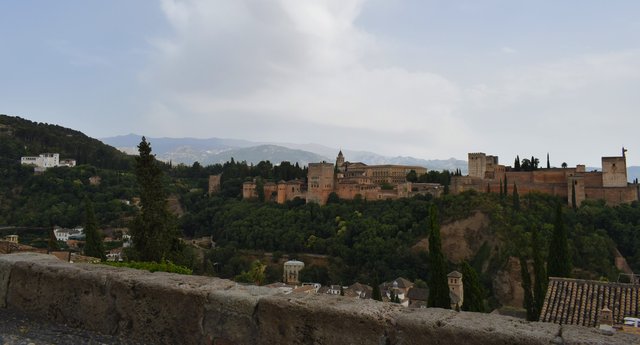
(164, 308)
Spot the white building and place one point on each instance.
(47, 160)
(64, 234)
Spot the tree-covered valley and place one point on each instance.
(343, 242)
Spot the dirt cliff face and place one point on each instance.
(461, 239)
(507, 284)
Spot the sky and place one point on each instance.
(423, 78)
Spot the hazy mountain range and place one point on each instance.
(220, 150)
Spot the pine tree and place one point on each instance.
(540, 274)
(93, 245)
(153, 231)
(516, 198)
(474, 292)
(529, 303)
(559, 264)
(439, 289)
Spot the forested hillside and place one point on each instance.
(21, 137)
(358, 240)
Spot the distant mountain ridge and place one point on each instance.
(217, 150)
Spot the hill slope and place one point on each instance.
(21, 137)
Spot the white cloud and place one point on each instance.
(290, 70)
(281, 60)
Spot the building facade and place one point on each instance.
(47, 160)
(348, 180)
(610, 184)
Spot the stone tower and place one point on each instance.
(575, 184)
(477, 164)
(455, 289)
(614, 171)
(291, 274)
(340, 162)
(321, 182)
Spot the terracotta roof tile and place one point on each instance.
(579, 302)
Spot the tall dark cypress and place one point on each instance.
(516, 164)
(529, 303)
(559, 262)
(474, 292)
(153, 232)
(506, 190)
(548, 163)
(541, 280)
(93, 240)
(438, 286)
(516, 198)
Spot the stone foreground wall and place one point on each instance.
(163, 308)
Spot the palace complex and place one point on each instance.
(347, 180)
(610, 184)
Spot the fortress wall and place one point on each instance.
(164, 308)
(593, 179)
(551, 175)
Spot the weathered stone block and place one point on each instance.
(318, 319)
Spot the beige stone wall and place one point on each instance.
(133, 304)
(249, 190)
(614, 172)
(214, 183)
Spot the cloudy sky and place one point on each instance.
(426, 78)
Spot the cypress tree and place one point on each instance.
(52, 245)
(516, 164)
(260, 189)
(559, 264)
(506, 189)
(474, 292)
(153, 231)
(529, 303)
(488, 188)
(93, 245)
(548, 164)
(439, 288)
(541, 279)
(376, 295)
(516, 198)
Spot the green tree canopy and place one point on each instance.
(153, 231)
